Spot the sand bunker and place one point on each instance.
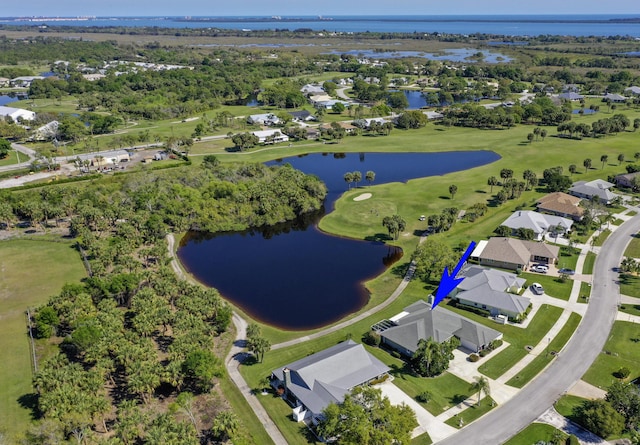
(362, 197)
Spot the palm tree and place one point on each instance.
(452, 190)
(481, 385)
(225, 425)
(370, 176)
(604, 159)
(587, 164)
(348, 178)
(491, 182)
(620, 158)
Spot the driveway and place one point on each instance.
(584, 347)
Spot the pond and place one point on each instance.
(583, 111)
(7, 99)
(296, 277)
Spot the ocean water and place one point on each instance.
(510, 25)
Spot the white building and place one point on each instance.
(270, 136)
(16, 113)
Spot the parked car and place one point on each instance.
(540, 268)
(567, 271)
(422, 218)
(537, 289)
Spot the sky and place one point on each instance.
(68, 8)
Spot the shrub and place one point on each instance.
(572, 440)
(484, 352)
(396, 354)
(371, 338)
(474, 358)
(622, 373)
(424, 397)
(495, 344)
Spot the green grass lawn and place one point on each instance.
(535, 433)
(568, 258)
(617, 222)
(601, 238)
(632, 213)
(633, 249)
(12, 158)
(629, 308)
(623, 346)
(472, 413)
(517, 337)
(630, 285)
(21, 261)
(567, 403)
(541, 361)
(422, 439)
(585, 292)
(552, 285)
(589, 261)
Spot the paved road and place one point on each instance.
(583, 348)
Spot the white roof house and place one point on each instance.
(538, 222)
(16, 113)
(24, 81)
(597, 187)
(270, 136)
(312, 89)
(264, 119)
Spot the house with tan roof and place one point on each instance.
(492, 290)
(314, 382)
(561, 204)
(514, 254)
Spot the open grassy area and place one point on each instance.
(553, 286)
(632, 213)
(541, 361)
(589, 261)
(472, 413)
(623, 347)
(567, 403)
(535, 433)
(630, 308)
(568, 258)
(518, 339)
(601, 238)
(422, 439)
(12, 158)
(630, 285)
(585, 292)
(633, 249)
(30, 272)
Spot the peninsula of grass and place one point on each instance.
(53, 263)
(535, 433)
(472, 413)
(585, 292)
(633, 249)
(622, 350)
(601, 238)
(542, 360)
(589, 261)
(553, 286)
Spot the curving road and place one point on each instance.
(584, 347)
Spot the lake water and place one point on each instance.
(584, 111)
(296, 277)
(6, 99)
(510, 25)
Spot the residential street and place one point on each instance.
(578, 355)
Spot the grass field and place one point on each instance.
(633, 249)
(535, 433)
(541, 361)
(54, 263)
(472, 413)
(589, 261)
(632, 309)
(12, 158)
(630, 285)
(601, 238)
(585, 292)
(623, 347)
(567, 404)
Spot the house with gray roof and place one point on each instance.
(570, 96)
(633, 90)
(314, 382)
(596, 188)
(264, 119)
(419, 322)
(538, 222)
(616, 98)
(492, 290)
(514, 254)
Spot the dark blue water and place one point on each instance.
(511, 25)
(453, 55)
(584, 111)
(296, 277)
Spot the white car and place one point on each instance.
(537, 289)
(540, 268)
(422, 218)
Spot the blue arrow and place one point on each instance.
(449, 281)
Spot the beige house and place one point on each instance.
(561, 204)
(514, 254)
